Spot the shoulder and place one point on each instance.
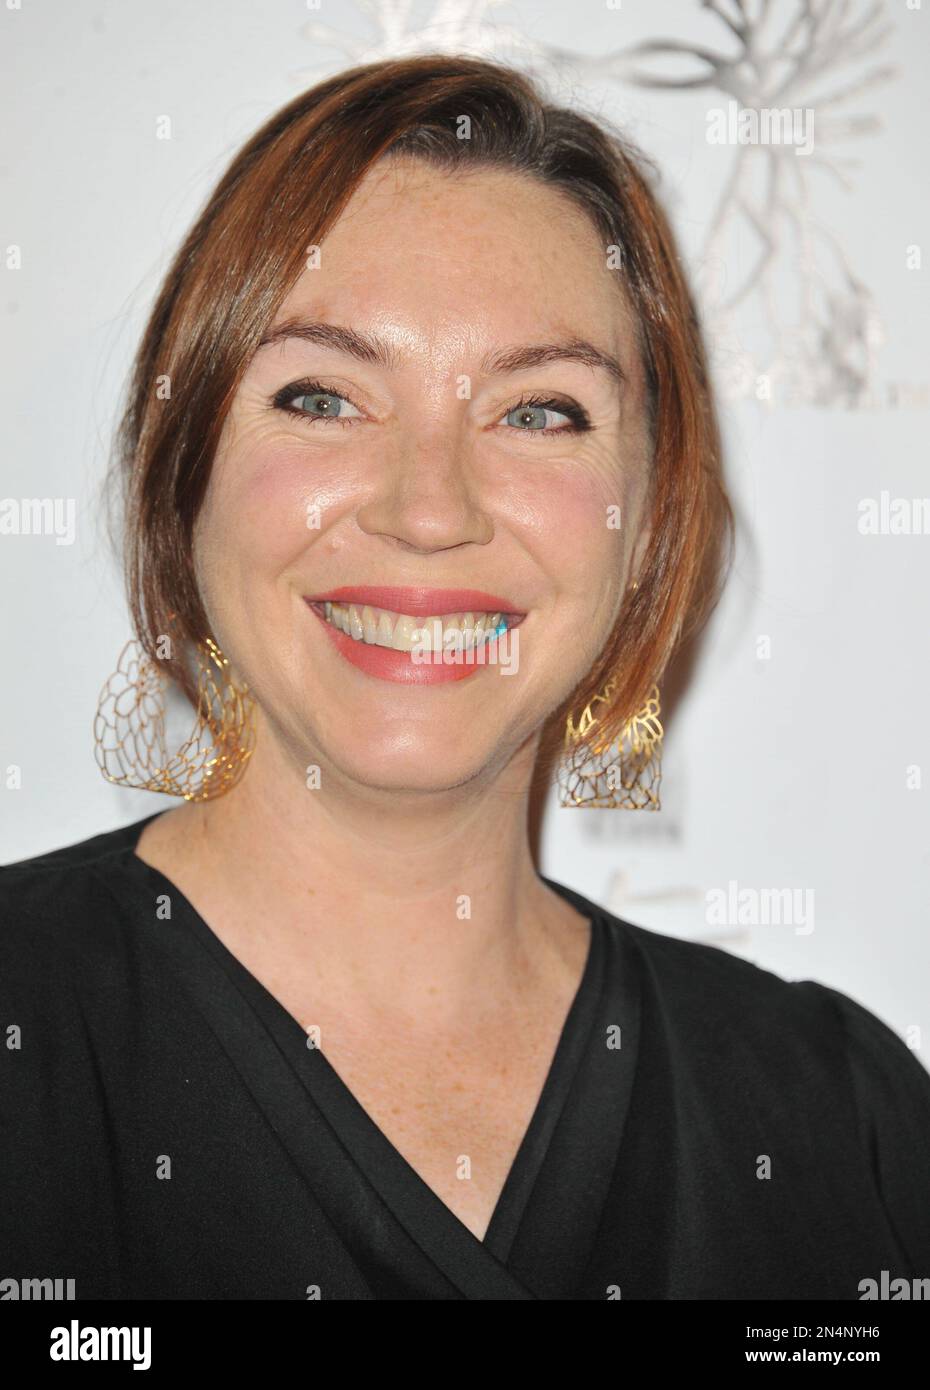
(696, 983)
(30, 878)
(797, 1059)
(81, 854)
(63, 897)
(800, 1021)
(722, 1006)
(718, 987)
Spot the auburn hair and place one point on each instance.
(282, 192)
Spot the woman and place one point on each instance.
(422, 470)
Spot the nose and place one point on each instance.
(425, 500)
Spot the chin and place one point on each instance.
(420, 765)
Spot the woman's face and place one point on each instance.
(392, 473)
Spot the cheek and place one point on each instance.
(267, 501)
(578, 520)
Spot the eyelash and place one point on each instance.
(580, 421)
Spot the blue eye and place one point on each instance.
(531, 417)
(312, 401)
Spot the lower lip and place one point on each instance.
(388, 665)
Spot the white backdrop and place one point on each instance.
(798, 759)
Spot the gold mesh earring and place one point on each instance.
(130, 735)
(624, 773)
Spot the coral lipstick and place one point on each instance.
(418, 602)
(389, 665)
(415, 636)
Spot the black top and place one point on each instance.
(707, 1130)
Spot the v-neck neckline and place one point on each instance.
(414, 1204)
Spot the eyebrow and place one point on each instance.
(367, 348)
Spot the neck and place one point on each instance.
(394, 896)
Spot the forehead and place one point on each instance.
(452, 260)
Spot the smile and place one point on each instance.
(415, 636)
(402, 632)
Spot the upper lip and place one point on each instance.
(417, 602)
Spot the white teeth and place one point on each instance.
(428, 633)
(404, 628)
(401, 632)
